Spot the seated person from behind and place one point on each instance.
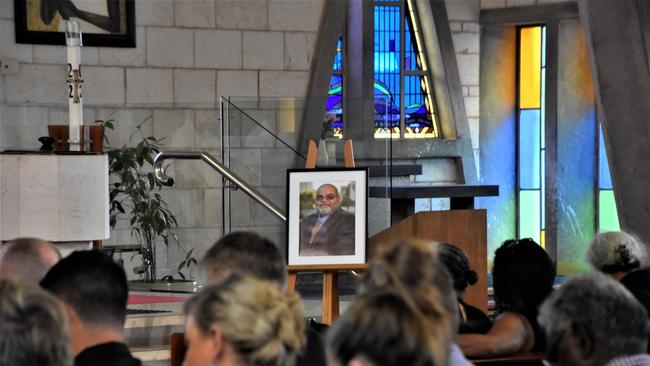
(472, 320)
(523, 276)
(249, 254)
(624, 257)
(329, 231)
(243, 322)
(33, 327)
(592, 320)
(93, 290)
(27, 259)
(383, 328)
(412, 267)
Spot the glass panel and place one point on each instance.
(607, 214)
(334, 106)
(543, 181)
(418, 120)
(387, 65)
(338, 57)
(604, 175)
(529, 215)
(543, 109)
(529, 67)
(543, 48)
(529, 149)
(411, 57)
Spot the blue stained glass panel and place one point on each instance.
(338, 57)
(410, 61)
(387, 66)
(387, 50)
(604, 175)
(529, 149)
(415, 110)
(334, 103)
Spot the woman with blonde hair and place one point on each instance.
(243, 321)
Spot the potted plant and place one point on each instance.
(134, 196)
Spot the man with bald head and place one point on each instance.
(329, 231)
(27, 259)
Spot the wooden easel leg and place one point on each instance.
(291, 282)
(330, 296)
(312, 151)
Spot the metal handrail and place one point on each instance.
(216, 165)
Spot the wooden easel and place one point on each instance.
(330, 272)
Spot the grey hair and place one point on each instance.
(617, 251)
(601, 306)
(33, 327)
(25, 259)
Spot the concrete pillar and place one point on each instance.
(614, 31)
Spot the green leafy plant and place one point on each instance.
(134, 196)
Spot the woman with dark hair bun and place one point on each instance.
(523, 276)
(472, 320)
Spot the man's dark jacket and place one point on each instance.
(334, 237)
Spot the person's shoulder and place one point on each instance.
(343, 213)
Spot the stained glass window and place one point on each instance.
(531, 144)
(607, 213)
(333, 119)
(402, 88)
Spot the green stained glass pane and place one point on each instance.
(607, 214)
(529, 214)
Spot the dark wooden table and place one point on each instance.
(402, 197)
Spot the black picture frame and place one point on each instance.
(346, 180)
(123, 37)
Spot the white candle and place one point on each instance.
(75, 102)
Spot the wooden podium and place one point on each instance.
(467, 229)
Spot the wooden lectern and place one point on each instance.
(467, 229)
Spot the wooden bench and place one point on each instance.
(523, 359)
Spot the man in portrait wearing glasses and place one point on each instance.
(329, 231)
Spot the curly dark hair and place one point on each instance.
(458, 266)
(523, 276)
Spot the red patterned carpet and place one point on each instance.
(135, 299)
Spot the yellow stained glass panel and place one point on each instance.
(530, 65)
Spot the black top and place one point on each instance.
(315, 353)
(638, 282)
(474, 321)
(106, 354)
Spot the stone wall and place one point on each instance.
(189, 52)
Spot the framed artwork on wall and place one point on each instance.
(327, 216)
(104, 23)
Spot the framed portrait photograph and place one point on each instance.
(103, 23)
(327, 216)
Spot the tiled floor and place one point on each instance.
(148, 334)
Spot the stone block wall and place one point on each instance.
(188, 54)
(465, 32)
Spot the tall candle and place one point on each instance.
(75, 102)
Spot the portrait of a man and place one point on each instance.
(331, 229)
